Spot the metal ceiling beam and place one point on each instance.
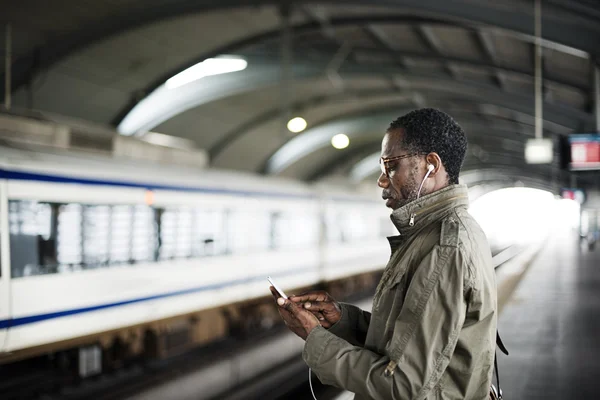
(397, 103)
(378, 35)
(357, 128)
(401, 99)
(558, 28)
(431, 40)
(300, 106)
(487, 45)
(164, 103)
(342, 158)
(489, 65)
(237, 46)
(368, 166)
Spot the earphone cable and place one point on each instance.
(310, 383)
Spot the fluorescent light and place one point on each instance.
(340, 141)
(161, 139)
(539, 151)
(297, 124)
(208, 67)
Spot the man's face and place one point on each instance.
(401, 185)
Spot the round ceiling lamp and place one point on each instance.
(296, 125)
(340, 141)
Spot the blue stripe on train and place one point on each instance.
(9, 323)
(28, 176)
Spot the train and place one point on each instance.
(105, 259)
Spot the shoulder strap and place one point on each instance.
(502, 349)
(500, 344)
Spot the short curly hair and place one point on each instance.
(429, 130)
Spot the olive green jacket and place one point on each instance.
(432, 331)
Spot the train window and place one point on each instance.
(168, 233)
(183, 245)
(355, 227)
(175, 233)
(121, 226)
(29, 218)
(96, 231)
(69, 235)
(292, 230)
(30, 226)
(248, 231)
(352, 225)
(208, 234)
(143, 241)
(334, 231)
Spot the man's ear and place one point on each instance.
(435, 161)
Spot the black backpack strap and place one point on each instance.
(502, 349)
(499, 393)
(500, 344)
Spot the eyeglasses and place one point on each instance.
(383, 162)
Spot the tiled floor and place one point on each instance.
(551, 326)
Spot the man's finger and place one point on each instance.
(274, 292)
(310, 296)
(320, 306)
(288, 305)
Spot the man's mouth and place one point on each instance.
(388, 200)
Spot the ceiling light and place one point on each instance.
(297, 124)
(208, 67)
(340, 141)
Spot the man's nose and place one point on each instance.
(383, 181)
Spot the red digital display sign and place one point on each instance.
(585, 151)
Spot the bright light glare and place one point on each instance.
(539, 151)
(297, 124)
(340, 141)
(516, 215)
(208, 67)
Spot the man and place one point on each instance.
(432, 330)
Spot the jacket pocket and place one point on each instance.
(392, 301)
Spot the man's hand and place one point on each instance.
(322, 305)
(298, 320)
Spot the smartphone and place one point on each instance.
(281, 293)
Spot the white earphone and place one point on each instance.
(430, 168)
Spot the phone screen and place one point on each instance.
(281, 293)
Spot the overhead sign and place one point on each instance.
(585, 151)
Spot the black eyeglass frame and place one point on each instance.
(383, 162)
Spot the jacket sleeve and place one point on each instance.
(423, 340)
(353, 324)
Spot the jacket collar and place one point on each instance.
(429, 208)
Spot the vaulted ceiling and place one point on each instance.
(344, 66)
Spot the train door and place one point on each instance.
(4, 267)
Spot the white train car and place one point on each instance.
(97, 250)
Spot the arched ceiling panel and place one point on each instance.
(272, 130)
(100, 60)
(355, 126)
(166, 103)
